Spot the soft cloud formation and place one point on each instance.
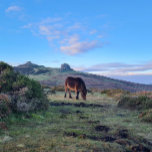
(70, 37)
(79, 47)
(12, 9)
(120, 69)
(93, 32)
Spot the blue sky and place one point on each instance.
(106, 37)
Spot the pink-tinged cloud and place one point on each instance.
(120, 69)
(12, 9)
(77, 47)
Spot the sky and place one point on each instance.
(106, 37)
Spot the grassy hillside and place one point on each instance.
(57, 76)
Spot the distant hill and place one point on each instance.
(56, 76)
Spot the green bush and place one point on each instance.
(5, 66)
(26, 94)
(139, 102)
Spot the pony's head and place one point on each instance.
(83, 94)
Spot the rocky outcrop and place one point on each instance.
(65, 67)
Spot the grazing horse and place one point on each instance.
(77, 85)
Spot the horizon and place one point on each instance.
(109, 38)
(116, 77)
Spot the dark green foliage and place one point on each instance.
(140, 102)
(4, 109)
(5, 66)
(26, 94)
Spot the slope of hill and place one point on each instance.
(56, 76)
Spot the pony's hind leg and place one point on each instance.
(65, 92)
(77, 97)
(70, 94)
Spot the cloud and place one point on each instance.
(27, 26)
(67, 36)
(79, 47)
(120, 69)
(93, 32)
(12, 9)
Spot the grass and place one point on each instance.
(70, 125)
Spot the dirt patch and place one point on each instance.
(122, 133)
(73, 134)
(105, 138)
(122, 142)
(81, 104)
(79, 112)
(102, 128)
(140, 148)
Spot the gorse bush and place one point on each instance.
(133, 102)
(141, 103)
(26, 94)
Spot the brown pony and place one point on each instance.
(77, 85)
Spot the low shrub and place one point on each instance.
(135, 102)
(25, 94)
